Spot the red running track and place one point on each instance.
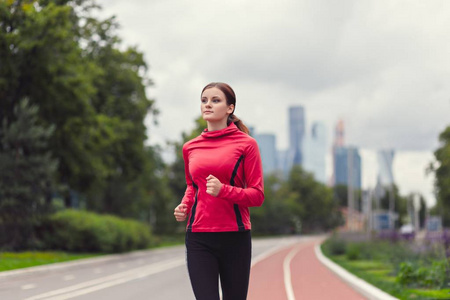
(310, 279)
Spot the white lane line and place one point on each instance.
(28, 286)
(68, 277)
(108, 281)
(271, 252)
(287, 273)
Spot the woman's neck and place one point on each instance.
(212, 126)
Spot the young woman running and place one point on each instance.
(224, 177)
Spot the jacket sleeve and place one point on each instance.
(253, 193)
(189, 194)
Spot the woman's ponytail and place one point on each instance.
(239, 124)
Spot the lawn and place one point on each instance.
(18, 260)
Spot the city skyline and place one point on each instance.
(380, 163)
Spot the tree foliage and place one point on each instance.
(442, 174)
(298, 203)
(92, 102)
(340, 194)
(26, 175)
(69, 63)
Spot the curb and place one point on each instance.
(74, 264)
(367, 290)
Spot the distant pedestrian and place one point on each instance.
(224, 177)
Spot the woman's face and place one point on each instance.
(214, 106)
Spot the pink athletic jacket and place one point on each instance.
(233, 158)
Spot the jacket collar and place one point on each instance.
(218, 133)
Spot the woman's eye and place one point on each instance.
(204, 101)
(216, 100)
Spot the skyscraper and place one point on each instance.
(347, 166)
(385, 160)
(282, 162)
(296, 135)
(268, 151)
(315, 151)
(385, 179)
(339, 135)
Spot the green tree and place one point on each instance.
(273, 217)
(340, 194)
(442, 174)
(310, 200)
(27, 171)
(61, 57)
(161, 198)
(422, 212)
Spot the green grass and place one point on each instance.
(382, 275)
(18, 260)
(432, 294)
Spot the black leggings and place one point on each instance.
(211, 255)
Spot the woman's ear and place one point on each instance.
(230, 109)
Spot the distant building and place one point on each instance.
(268, 151)
(347, 166)
(385, 160)
(296, 135)
(339, 136)
(282, 162)
(315, 150)
(385, 179)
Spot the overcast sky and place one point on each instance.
(381, 66)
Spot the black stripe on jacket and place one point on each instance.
(237, 212)
(194, 208)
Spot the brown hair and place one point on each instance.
(231, 99)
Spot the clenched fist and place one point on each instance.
(213, 185)
(180, 212)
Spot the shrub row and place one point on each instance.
(414, 266)
(81, 231)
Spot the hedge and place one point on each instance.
(82, 231)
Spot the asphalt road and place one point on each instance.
(156, 274)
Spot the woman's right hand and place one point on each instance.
(180, 212)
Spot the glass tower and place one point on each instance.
(268, 151)
(315, 152)
(347, 166)
(296, 135)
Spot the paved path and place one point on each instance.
(282, 269)
(296, 273)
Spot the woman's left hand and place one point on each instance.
(213, 185)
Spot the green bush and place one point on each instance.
(353, 251)
(335, 245)
(406, 275)
(424, 275)
(81, 231)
